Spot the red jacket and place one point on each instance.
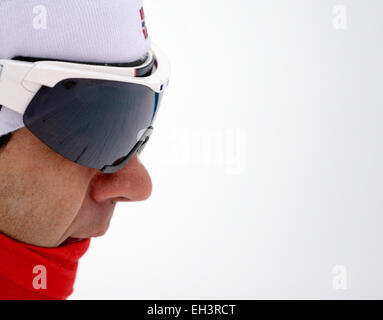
(33, 273)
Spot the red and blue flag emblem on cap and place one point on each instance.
(144, 29)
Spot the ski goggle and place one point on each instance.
(98, 116)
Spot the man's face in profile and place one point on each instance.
(46, 199)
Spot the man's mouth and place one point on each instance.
(72, 240)
(91, 221)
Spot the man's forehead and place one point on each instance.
(82, 30)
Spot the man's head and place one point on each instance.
(46, 199)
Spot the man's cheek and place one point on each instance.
(49, 219)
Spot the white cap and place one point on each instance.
(100, 31)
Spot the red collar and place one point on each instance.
(19, 261)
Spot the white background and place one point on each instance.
(266, 158)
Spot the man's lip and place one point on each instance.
(72, 240)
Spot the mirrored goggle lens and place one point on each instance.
(95, 123)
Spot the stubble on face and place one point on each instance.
(40, 191)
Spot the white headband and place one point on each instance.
(104, 31)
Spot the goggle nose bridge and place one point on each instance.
(140, 145)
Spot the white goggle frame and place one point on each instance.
(20, 81)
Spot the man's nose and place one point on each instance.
(131, 183)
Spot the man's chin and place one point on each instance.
(92, 221)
